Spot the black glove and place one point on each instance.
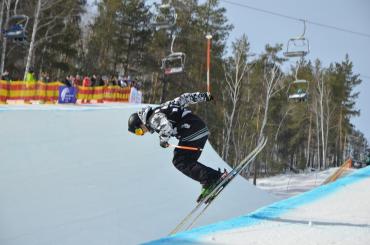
(209, 97)
(164, 144)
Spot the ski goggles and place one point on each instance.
(139, 131)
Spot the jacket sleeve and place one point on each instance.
(188, 98)
(162, 125)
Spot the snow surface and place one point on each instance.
(72, 174)
(337, 213)
(291, 184)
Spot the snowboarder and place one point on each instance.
(174, 119)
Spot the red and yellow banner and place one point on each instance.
(48, 92)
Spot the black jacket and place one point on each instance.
(173, 119)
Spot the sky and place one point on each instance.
(327, 44)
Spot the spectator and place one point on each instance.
(128, 81)
(104, 81)
(86, 82)
(113, 81)
(93, 80)
(68, 81)
(30, 76)
(140, 94)
(121, 82)
(5, 76)
(99, 81)
(135, 94)
(77, 81)
(44, 77)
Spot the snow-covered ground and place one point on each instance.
(71, 174)
(336, 213)
(290, 184)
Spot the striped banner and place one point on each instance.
(49, 92)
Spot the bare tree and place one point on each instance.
(235, 71)
(16, 6)
(5, 4)
(48, 24)
(324, 111)
(321, 92)
(309, 136)
(2, 14)
(272, 84)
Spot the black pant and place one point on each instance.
(187, 162)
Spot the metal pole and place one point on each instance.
(209, 37)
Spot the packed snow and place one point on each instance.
(72, 174)
(336, 213)
(291, 184)
(339, 218)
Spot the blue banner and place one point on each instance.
(67, 95)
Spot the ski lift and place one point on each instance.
(17, 28)
(297, 90)
(298, 46)
(165, 17)
(175, 62)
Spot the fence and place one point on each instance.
(340, 172)
(49, 92)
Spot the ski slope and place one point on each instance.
(72, 174)
(291, 184)
(337, 213)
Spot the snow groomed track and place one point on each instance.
(72, 174)
(337, 213)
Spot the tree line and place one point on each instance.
(250, 91)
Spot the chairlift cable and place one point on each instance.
(365, 76)
(298, 19)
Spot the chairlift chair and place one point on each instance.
(165, 17)
(298, 46)
(298, 90)
(17, 28)
(174, 63)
